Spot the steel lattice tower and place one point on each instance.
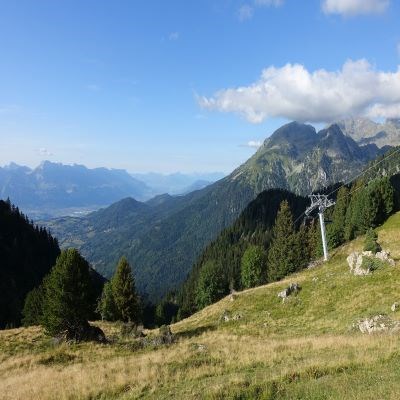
(321, 202)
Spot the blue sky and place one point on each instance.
(177, 85)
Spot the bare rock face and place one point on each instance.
(395, 306)
(358, 266)
(355, 261)
(384, 256)
(378, 323)
(292, 288)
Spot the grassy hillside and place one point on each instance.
(304, 348)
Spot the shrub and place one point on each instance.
(371, 241)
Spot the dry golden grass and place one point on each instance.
(302, 349)
(184, 369)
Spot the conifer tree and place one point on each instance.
(283, 258)
(211, 285)
(106, 306)
(371, 241)
(67, 296)
(336, 230)
(253, 267)
(32, 313)
(124, 293)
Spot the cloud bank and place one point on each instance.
(354, 7)
(295, 93)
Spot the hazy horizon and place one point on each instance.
(187, 87)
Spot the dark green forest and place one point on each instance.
(27, 254)
(360, 206)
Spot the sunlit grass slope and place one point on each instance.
(304, 348)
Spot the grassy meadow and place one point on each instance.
(304, 348)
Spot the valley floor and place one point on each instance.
(304, 348)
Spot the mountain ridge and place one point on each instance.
(163, 247)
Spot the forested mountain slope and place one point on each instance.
(248, 346)
(27, 254)
(163, 246)
(365, 203)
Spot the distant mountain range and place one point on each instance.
(163, 237)
(177, 183)
(54, 189)
(365, 131)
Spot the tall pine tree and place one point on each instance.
(336, 230)
(211, 285)
(32, 313)
(106, 306)
(253, 271)
(283, 257)
(67, 296)
(124, 293)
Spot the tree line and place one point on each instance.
(66, 300)
(265, 244)
(27, 253)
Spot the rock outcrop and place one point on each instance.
(226, 316)
(378, 323)
(291, 289)
(359, 266)
(384, 256)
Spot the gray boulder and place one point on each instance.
(291, 289)
(378, 323)
(355, 261)
(359, 267)
(384, 256)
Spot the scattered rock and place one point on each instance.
(315, 279)
(359, 266)
(130, 329)
(165, 337)
(355, 261)
(236, 317)
(395, 306)
(96, 334)
(81, 333)
(201, 347)
(225, 316)
(198, 347)
(378, 323)
(314, 264)
(384, 256)
(292, 288)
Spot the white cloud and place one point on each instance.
(295, 93)
(44, 152)
(173, 36)
(245, 12)
(354, 7)
(255, 144)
